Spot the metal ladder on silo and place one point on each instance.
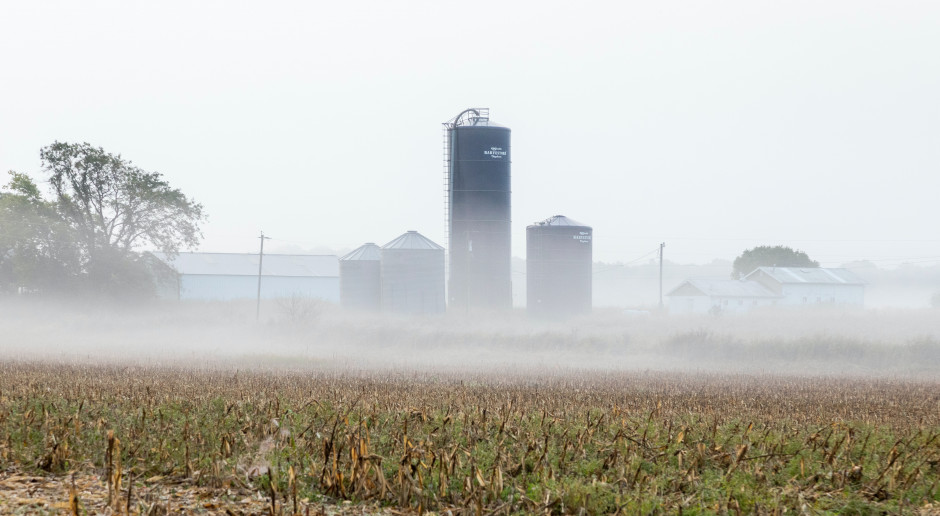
(481, 114)
(446, 188)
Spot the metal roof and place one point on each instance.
(412, 240)
(727, 288)
(560, 220)
(246, 264)
(814, 275)
(365, 252)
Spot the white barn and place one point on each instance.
(811, 285)
(701, 296)
(767, 286)
(225, 276)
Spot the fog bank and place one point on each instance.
(304, 335)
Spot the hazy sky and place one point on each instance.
(712, 126)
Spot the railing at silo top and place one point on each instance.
(470, 116)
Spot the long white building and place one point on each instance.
(224, 276)
(769, 286)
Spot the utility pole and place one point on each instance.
(260, 260)
(661, 246)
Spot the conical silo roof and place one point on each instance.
(412, 240)
(365, 252)
(560, 220)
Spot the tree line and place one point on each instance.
(89, 232)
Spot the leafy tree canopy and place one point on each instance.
(103, 212)
(36, 251)
(114, 205)
(769, 256)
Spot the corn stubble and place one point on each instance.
(565, 444)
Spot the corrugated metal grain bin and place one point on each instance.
(478, 195)
(412, 275)
(558, 267)
(360, 279)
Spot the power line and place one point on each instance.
(624, 264)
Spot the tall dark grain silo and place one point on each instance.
(558, 267)
(412, 275)
(477, 169)
(360, 280)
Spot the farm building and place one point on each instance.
(813, 285)
(412, 275)
(360, 278)
(225, 276)
(559, 276)
(699, 296)
(783, 286)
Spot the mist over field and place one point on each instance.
(301, 334)
(773, 164)
(615, 412)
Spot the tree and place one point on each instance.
(105, 211)
(36, 247)
(117, 206)
(767, 256)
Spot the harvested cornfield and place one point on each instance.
(151, 440)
